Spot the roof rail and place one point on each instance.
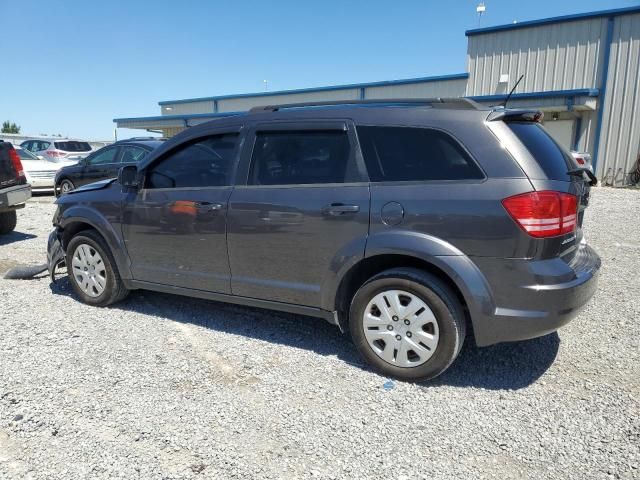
(141, 138)
(437, 102)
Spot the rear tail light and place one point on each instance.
(544, 214)
(54, 153)
(580, 160)
(17, 164)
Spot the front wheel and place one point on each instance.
(407, 324)
(66, 186)
(92, 270)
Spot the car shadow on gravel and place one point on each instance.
(15, 237)
(500, 367)
(506, 366)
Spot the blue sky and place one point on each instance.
(76, 65)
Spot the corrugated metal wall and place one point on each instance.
(445, 88)
(587, 132)
(144, 124)
(560, 56)
(620, 132)
(205, 106)
(240, 104)
(170, 132)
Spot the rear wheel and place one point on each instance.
(8, 221)
(66, 186)
(92, 270)
(407, 324)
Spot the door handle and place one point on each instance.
(337, 209)
(209, 207)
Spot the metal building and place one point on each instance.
(582, 70)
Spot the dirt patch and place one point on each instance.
(7, 264)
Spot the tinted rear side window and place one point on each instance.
(397, 154)
(303, 157)
(73, 146)
(549, 155)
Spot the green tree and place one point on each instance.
(9, 127)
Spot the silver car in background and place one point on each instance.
(582, 159)
(58, 150)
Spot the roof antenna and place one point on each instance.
(504, 104)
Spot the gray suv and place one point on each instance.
(410, 224)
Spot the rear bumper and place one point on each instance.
(14, 197)
(536, 298)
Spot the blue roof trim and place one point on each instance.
(546, 21)
(179, 117)
(455, 76)
(581, 92)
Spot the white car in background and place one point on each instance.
(58, 150)
(40, 173)
(582, 159)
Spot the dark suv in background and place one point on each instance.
(406, 223)
(104, 163)
(14, 189)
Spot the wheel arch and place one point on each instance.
(57, 184)
(423, 252)
(78, 219)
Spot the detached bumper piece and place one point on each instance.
(55, 254)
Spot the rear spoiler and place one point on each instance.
(515, 115)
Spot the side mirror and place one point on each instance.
(128, 176)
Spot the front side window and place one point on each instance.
(400, 154)
(207, 162)
(107, 155)
(301, 157)
(26, 154)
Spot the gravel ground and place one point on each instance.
(169, 387)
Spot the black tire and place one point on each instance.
(437, 295)
(65, 181)
(114, 290)
(8, 222)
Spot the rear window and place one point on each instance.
(73, 146)
(397, 154)
(551, 157)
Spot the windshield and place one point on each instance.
(25, 154)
